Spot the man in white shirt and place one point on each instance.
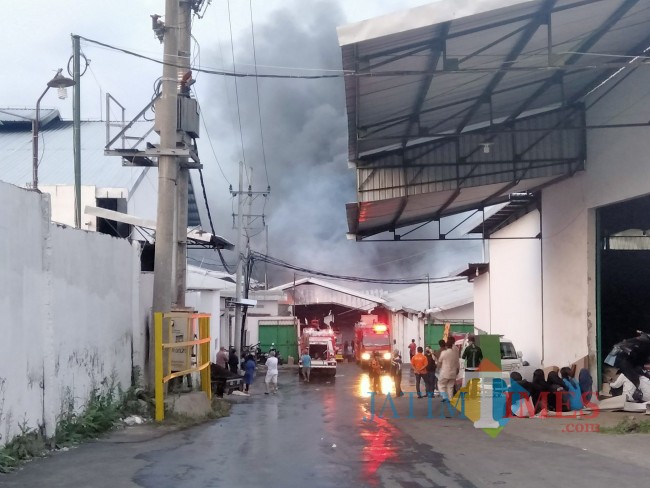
(448, 365)
(271, 379)
(629, 388)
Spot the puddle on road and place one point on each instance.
(364, 390)
(379, 447)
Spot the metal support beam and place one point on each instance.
(437, 49)
(76, 128)
(514, 53)
(398, 213)
(448, 202)
(488, 201)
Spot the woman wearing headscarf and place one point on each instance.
(574, 396)
(521, 397)
(249, 372)
(540, 391)
(558, 396)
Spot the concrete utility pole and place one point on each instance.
(166, 115)
(242, 258)
(184, 53)
(238, 252)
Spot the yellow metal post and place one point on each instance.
(204, 356)
(158, 359)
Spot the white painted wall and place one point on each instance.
(463, 312)
(406, 327)
(22, 301)
(67, 299)
(207, 301)
(482, 319)
(564, 224)
(514, 287)
(617, 169)
(142, 321)
(89, 316)
(143, 201)
(62, 200)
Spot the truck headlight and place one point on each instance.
(365, 356)
(387, 355)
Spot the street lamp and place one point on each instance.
(59, 81)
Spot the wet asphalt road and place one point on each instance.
(308, 435)
(314, 435)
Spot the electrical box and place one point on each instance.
(188, 117)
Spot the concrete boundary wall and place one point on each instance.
(69, 304)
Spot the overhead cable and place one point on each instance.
(385, 281)
(234, 69)
(257, 87)
(207, 207)
(372, 74)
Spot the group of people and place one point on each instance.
(557, 392)
(229, 360)
(437, 370)
(271, 378)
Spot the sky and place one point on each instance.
(303, 122)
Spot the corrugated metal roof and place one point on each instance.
(434, 85)
(57, 161)
(56, 165)
(325, 284)
(443, 296)
(10, 116)
(504, 49)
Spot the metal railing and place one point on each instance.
(178, 360)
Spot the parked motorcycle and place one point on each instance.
(254, 350)
(277, 354)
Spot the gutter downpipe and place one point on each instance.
(541, 265)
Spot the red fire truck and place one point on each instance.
(370, 338)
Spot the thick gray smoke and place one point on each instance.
(305, 136)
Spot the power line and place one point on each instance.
(257, 87)
(232, 50)
(372, 74)
(207, 207)
(385, 281)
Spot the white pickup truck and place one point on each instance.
(511, 360)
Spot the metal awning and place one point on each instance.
(195, 237)
(452, 108)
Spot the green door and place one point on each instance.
(434, 332)
(280, 333)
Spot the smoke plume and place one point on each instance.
(305, 141)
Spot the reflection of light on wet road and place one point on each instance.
(387, 385)
(378, 437)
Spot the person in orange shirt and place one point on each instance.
(419, 363)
